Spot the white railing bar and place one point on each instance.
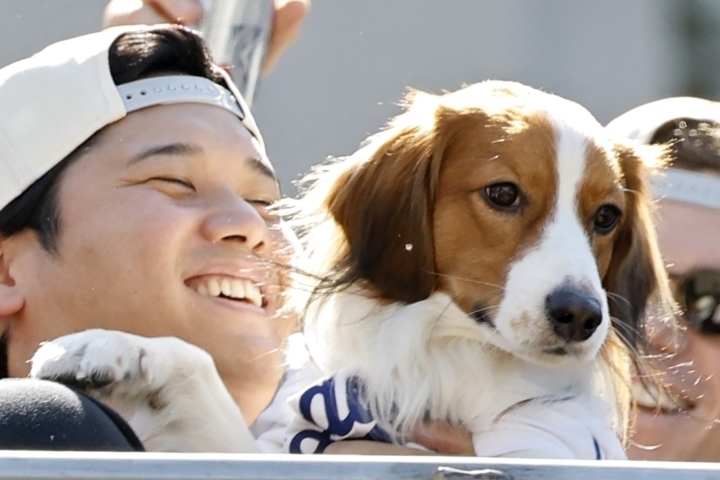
(25, 465)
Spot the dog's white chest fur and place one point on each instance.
(426, 360)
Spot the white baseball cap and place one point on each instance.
(55, 100)
(641, 124)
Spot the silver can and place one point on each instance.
(237, 33)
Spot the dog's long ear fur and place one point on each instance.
(381, 201)
(636, 279)
(384, 207)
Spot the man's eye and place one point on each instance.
(261, 203)
(265, 209)
(175, 181)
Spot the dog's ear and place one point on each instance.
(383, 203)
(636, 280)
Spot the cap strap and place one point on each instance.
(177, 89)
(688, 186)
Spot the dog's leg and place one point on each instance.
(168, 390)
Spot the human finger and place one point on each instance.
(148, 12)
(287, 22)
(444, 438)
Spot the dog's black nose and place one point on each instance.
(574, 315)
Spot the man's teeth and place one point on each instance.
(236, 288)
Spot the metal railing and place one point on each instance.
(24, 465)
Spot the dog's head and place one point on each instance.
(514, 202)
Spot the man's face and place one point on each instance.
(689, 240)
(165, 210)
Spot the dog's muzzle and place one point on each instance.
(574, 315)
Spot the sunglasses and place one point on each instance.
(698, 294)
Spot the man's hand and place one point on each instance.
(149, 12)
(444, 438)
(287, 20)
(439, 437)
(289, 15)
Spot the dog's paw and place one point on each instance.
(112, 364)
(93, 360)
(166, 389)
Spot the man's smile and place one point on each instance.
(228, 287)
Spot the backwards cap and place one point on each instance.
(678, 184)
(54, 101)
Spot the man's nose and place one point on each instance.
(231, 218)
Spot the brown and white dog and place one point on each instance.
(486, 260)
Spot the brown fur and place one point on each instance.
(636, 272)
(474, 242)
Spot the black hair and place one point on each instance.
(132, 56)
(694, 143)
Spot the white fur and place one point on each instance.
(168, 390)
(430, 358)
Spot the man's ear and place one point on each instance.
(11, 298)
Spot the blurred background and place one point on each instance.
(355, 58)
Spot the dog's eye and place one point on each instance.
(503, 195)
(606, 218)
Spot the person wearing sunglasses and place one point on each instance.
(683, 423)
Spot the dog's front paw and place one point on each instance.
(167, 389)
(102, 361)
(113, 365)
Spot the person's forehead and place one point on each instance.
(195, 125)
(689, 235)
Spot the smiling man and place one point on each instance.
(134, 188)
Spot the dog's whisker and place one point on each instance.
(618, 298)
(440, 316)
(634, 351)
(625, 327)
(491, 308)
(627, 332)
(471, 280)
